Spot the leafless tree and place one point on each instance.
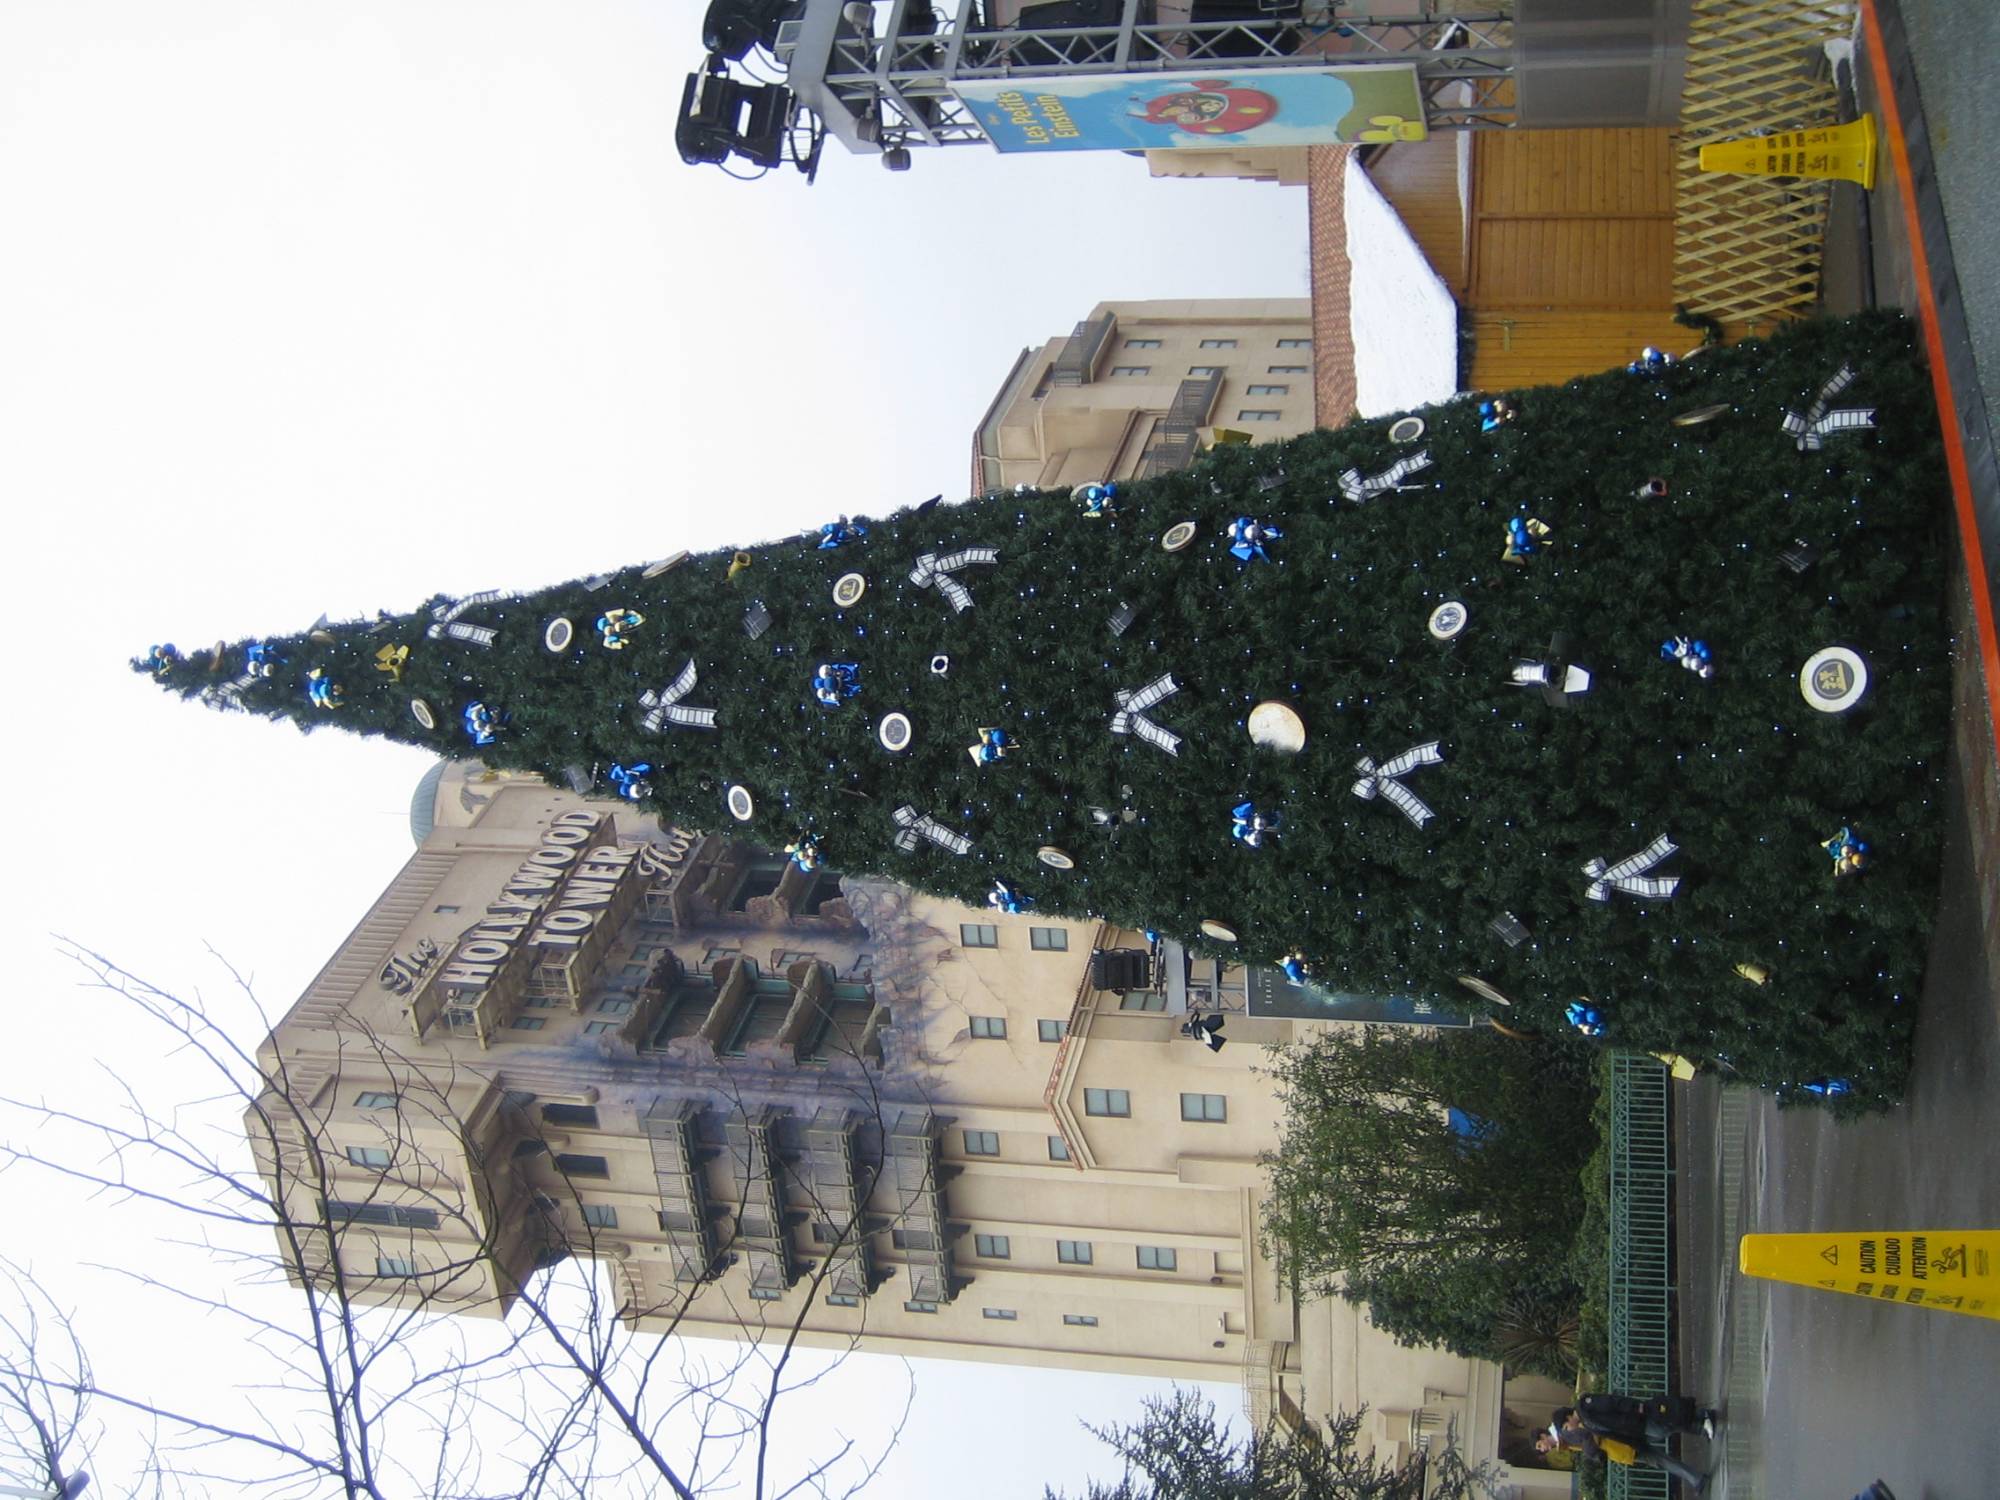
(359, 1374)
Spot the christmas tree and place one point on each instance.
(1546, 654)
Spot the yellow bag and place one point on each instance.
(1618, 1450)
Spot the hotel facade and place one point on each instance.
(763, 1098)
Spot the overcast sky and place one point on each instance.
(327, 306)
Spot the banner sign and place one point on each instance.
(1142, 111)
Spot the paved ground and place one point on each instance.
(1827, 1392)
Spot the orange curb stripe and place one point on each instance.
(1954, 449)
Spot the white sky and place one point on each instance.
(326, 306)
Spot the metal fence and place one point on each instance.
(1642, 1289)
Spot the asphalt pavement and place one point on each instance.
(1826, 1392)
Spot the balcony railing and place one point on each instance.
(1077, 364)
(672, 1130)
(1642, 1289)
(920, 1205)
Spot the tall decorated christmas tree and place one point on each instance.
(1620, 705)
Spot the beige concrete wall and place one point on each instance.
(1049, 435)
(1136, 1188)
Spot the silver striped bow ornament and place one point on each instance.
(664, 706)
(446, 622)
(1629, 875)
(934, 571)
(916, 825)
(1811, 429)
(1382, 781)
(1357, 489)
(1131, 715)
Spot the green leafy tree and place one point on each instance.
(1332, 620)
(1433, 1176)
(1179, 1451)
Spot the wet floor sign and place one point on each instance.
(1953, 1270)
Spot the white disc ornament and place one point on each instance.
(1054, 858)
(1448, 619)
(940, 665)
(848, 589)
(558, 635)
(421, 712)
(1217, 930)
(894, 732)
(742, 806)
(1833, 680)
(1277, 726)
(1178, 536)
(1406, 429)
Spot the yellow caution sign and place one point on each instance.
(1843, 151)
(1953, 1270)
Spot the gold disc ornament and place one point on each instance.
(1179, 535)
(742, 806)
(1054, 858)
(1277, 726)
(664, 565)
(848, 589)
(1406, 429)
(1702, 414)
(1221, 933)
(558, 635)
(421, 712)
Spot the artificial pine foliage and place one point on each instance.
(1737, 769)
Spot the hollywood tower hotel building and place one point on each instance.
(768, 1096)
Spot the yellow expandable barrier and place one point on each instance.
(1952, 1270)
(1846, 152)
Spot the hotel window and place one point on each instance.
(1295, 343)
(978, 935)
(913, 1239)
(1142, 1000)
(528, 1023)
(1116, 1103)
(922, 1307)
(599, 1215)
(368, 1156)
(370, 1099)
(998, 1314)
(1218, 343)
(1267, 390)
(395, 1265)
(766, 1294)
(339, 1212)
(639, 971)
(616, 1006)
(990, 1028)
(1142, 343)
(842, 1299)
(1049, 939)
(598, 1028)
(1080, 1320)
(1198, 370)
(1287, 370)
(1131, 369)
(1258, 414)
(1050, 1031)
(541, 1002)
(1058, 1148)
(572, 1165)
(570, 1114)
(982, 1142)
(1208, 1108)
(1157, 1258)
(993, 1246)
(1074, 1252)
(444, 911)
